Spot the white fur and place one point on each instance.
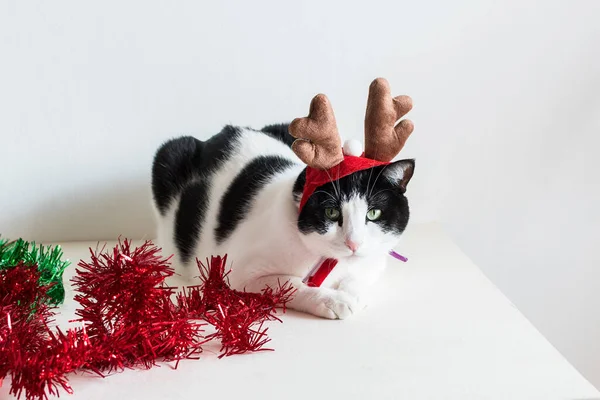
(394, 174)
(267, 248)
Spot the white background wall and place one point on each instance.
(507, 109)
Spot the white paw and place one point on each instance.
(337, 305)
(356, 291)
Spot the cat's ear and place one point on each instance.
(400, 173)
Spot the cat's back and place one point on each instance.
(204, 190)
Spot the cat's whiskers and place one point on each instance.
(333, 184)
(369, 180)
(371, 174)
(378, 175)
(327, 193)
(380, 191)
(338, 182)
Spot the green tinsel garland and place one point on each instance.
(47, 259)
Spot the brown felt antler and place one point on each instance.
(317, 142)
(383, 138)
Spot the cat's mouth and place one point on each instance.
(354, 255)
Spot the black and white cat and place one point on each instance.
(238, 194)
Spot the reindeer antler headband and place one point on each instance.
(318, 142)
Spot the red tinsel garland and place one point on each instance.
(129, 318)
(234, 314)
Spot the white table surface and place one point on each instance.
(437, 329)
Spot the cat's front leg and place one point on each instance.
(320, 301)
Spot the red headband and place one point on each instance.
(349, 165)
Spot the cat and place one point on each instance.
(238, 193)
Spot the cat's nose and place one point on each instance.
(352, 245)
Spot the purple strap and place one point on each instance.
(398, 256)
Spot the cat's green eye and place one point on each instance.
(373, 214)
(332, 214)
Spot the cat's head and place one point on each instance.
(358, 215)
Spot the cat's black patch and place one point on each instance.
(218, 148)
(377, 185)
(179, 160)
(173, 166)
(238, 198)
(299, 186)
(190, 216)
(279, 132)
